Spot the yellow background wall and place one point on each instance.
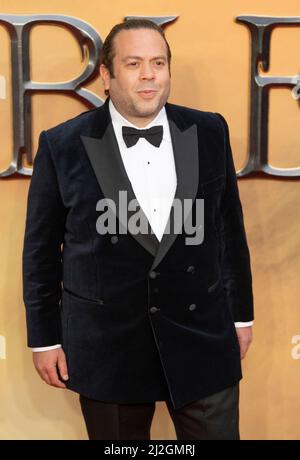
(210, 71)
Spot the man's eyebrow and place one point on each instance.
(140, 58)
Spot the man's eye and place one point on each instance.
(159, 62)
(132, 63)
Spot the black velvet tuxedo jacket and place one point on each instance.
(139, 320)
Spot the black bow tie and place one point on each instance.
(153, 135)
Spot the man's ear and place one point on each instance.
(104, 74)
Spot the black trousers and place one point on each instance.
(215, 417)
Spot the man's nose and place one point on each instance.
(147, 71)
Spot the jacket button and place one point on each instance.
(192, 307)
(154, 309)
(191, 269)
(153, 275)
(114, 239)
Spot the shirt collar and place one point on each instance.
(160, 119)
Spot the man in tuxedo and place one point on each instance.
(123, 317)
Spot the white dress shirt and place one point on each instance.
(152, 174)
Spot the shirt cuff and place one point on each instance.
(51, 347)
(243, 324)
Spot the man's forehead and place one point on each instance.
(126, 40)
(137, 50)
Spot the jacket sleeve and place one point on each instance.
(42, 256)
(235, 257)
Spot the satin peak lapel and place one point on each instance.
(185, 147)
(111, 175)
